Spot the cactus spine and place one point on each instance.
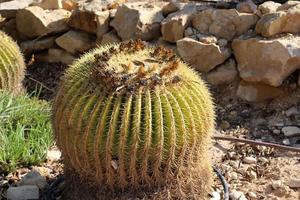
(12, 65)
(135, 117)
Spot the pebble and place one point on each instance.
(286, 142)
(54, 155)
(292, 111)
(237, 195)
(233, 176)
(252, 195)
(276, 184)
(290, 131)
(23, 192)
(222, 42)
(188, 32)
(253, 175)
(276, 131)
(34, 178)
(294, 183)
(215, 196)
(249, 160)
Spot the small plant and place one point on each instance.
(12, 65)
(132, 117)
(25, 131)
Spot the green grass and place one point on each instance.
(25, 131)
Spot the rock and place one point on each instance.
(110, 37)
(255, 92)
(193, 53)
(287, 5)
(223, 23)
(102, 20)
(138, 20)
(25, 192)
(34, 21)
(207, 39)
(268, 7)
(34, 178)
(249, 160)
(276, 184)
(292, 111)
(172, 28)
(188, 32)
(53, 155)
(252, 195)
(49, 4)
(270, 60)
(286, 142)
(246, 7)
(10, 28)
(276, 131)
(279, 22)
(69, 5)
(253, 175)
(171, 7)
(290, 131)
(38, 44)
(99, 5)
(294, 183)
(237, 195)
(222, 42)
(223, 74)
(59, 55)
(233, 176)
(76, 42)
(10, 8)
(215, 196)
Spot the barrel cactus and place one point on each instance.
(127, 116)
(12, 65)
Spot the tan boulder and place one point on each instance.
(267, 60)
(255, 92)
(224, 23)
(203, 57)
(223, 74)
(9, 9)
(76, 42)
(138, 20)
(38, 44)
(173, 27)
(110, 37)
(171, 7)
(268, 7)
(34, 21)
(246, 7)
(280, 22)
(49, 4)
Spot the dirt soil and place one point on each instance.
(266, 176)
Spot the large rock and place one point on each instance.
(138, 20)
(34, 178)
(255, 92)
(34, 21)
(49, 4)
(268, 7)
(26, 192)
(287, 21)
(76, 42)
(201, 56)
(223, 74)
(109, 38)
(10, 8)
(224, 23)
(246, 7)
(267, 60)
(38, 44)
(173, 27)
(171, 7)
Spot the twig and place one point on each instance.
(44, 86)
(257, 143)
(223, 181)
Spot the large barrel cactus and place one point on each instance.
(129, 116)
(12, 65)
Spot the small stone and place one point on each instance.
(215, 196)
(188, 32)
(292, 111)
(294, 183)
(53, 155)
(276, 184)
(49, 4)
(252, 195)
(233, 176)
(253, 175)
(237, 195)
(25, 192)
(286, 142)
(170, 7)
(276, 131)
(69, 5)
(224, 125)
(249, 160)
(109, 38)
(34, 178)
(246, 7)
(290, 131)
(234, 164)
(222, 42)
(268, 7)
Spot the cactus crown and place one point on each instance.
(131, 115)
(12, 65)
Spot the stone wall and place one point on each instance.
(256, 45)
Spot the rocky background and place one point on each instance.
(257, 44)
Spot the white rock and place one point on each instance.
(172, 28)
(193, 53)
(286, 142)
(294, 183)
(269, 61)
(252, 195)
(25, 192)
(34, 178)
(223, 74)
(249, 160)
(276, 184)
(268, 7)
(9, 9)
(223, 23)
(138, 20)
(34, 21)
(53, 155)
(292, 111)
(237, 195)
(290, 131)
(76, 42)
(215, 196)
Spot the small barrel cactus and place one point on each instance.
(131, 116)
(12, 65)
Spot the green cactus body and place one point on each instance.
(12, 65)
(131, 116)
